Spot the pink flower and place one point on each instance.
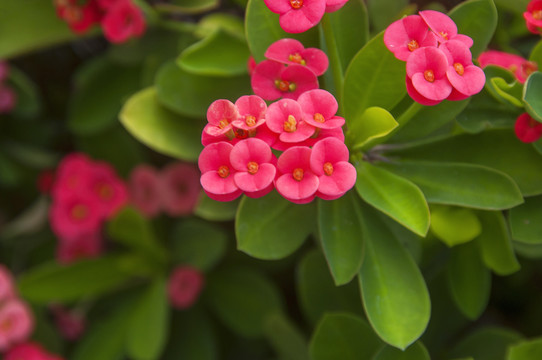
(217, 173)
(334, 5)
(254, 162)
(466, 78)
(319, 108)
(527, 129)
(8, 99)
(72, 174)
(45, 181)
(297, 16)
(82, 246)
(533, 16)
(109, 190)
(78, 17)
(75, 214)
(29, 351)
(416, 96)
(251, 113)
(7, 291)
(271, 80)
(291, 51)
(180, 188)
(184, 286)
(251, 64)
(405, 35)
(320, 134)
(285, 118)
(521, 67)
(105, 5)
(427, 69)
(16, 323)
(444, 27)
(296, 181)
(144, 188)
(220, 114)
(70, 324)
(123, 21)
(329, 161)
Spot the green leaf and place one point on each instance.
(262, 29)
(372, 124)
(96, 103)
(469, 279)
(28, 99)
(536, 53)
(242, 298)
(393, 195)
(287, 341)
(460, 184)
(51, 281)
(488, 343)
(416, 351)
(196, 6)
(228, 23)
(213, 210)
(343, 336)
(219, 54)
(495, 244)
(454, 225)
(531, 95)
(161, 129)
(393, 290)
(516, 159)
(198, 243)
(318, 294)
(384, 12)
(190, 94)
(272, 227)
(148, 325)
(477, 19)
(529, 251)
(32, 25)
(527, 350)
(526, 221)
(374, 78)
(503, 86)
(339, 223)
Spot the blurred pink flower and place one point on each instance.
(408, 34)
(108, 189)
(184, 286)
(8, 99)
(285, 118)
(144, 188)
(72, 174)
(4, 70)
(291, 51)
(123, 20)
(45, 181)
(70, 324)
(82, 246)
(16, 323)
(319, 108)
(527, 129)
(180, 188)
(78, 17)
(75, 214)
(518, 65)
(29, 351)
(533, 16)
(7, 290)
(297, 16)
(217, 173)
(296, 182)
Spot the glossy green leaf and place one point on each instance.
(32, 24)
(318, 294)
(189, 6)
(130, 228)
(488, 343)
(198, 243)
(213, 210)
(95, 105)
(242, 299)
(190, 94)
(477, 19)
(28, 99)
(228, 23)
(527, 350)
(262, 29)
(161, 129)
(52, 282)
(395, 196)
(526, 221)
(374, 78)
(372, 124)
(529, 251)
(484, 112)
(511, 92)
(416, 351)
(219, 54)
(343, 336)
(401, 318)
(516, 159)
(286, 339)
(536, 53)
(454, 225)
(495, 244)
(272, 227)
(469, 279)
(148, 324)
(460, 184)
(518, 6)
(339, 223)
(384, 12)
(531, 95)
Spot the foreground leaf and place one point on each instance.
(531, 95)
(454, 225)
(287, 341)
(372, 124)
(525, 221)
(416, 351)
(488, 343)
(527, 350)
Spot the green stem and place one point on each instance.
(334, 58)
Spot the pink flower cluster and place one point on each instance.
(29, 351)
(16, 320)
(533, 16)
(70, 323)
(438, 60)
(120, 19)
(518, 65)
(238, 138)
(289, 70)
(8, 97)
(527, 129)
(184, 286)
(85, 193)
(297, 16)
(175, 190)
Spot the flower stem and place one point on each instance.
(334, 58)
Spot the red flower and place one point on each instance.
(533, 16)
(521, 67)
(184, 286)
(180, 188)
(123, 21)
(144, 188)
(527, 129)
(29, 351)
(82, 246)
